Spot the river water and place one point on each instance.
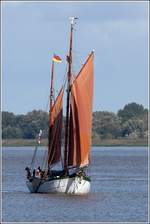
(119, 189)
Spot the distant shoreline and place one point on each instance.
(104, 142)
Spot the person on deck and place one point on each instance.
(28, 172)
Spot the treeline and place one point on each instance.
(129, 122)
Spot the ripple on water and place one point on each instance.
(118, 190)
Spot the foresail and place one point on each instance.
(81, 115)
(55, 127)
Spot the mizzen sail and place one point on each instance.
(55, 127)
(81, 115)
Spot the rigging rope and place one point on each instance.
(33, 158)
(44, 160)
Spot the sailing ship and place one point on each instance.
(75, 156)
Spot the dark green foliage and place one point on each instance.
(134, 120)
(130, 110)
(106, 124)
(24, 126)
(12, 132)
(130, 122)
(33, 122)
(8, 119)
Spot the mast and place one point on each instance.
(53, 116)
(69, 60)
(51, 101)
(51, 87)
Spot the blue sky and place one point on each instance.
(33, 31)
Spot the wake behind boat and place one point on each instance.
(72, 178)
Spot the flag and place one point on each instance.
(56, 58)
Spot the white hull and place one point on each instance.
(69, 185)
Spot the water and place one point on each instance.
(119, 189)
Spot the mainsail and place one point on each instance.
(55, 127)
(81, 115)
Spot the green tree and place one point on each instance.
(130, 110)
(11, 132)
(130, 121)
(33, 122)
(106, 125)
(8, 119)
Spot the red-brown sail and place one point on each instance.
(55, 127)
(81, 115)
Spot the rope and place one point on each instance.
(44, 160)
(33, 158)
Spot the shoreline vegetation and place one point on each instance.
(104, 142)
(127, 127)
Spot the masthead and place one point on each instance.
(72, 20)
